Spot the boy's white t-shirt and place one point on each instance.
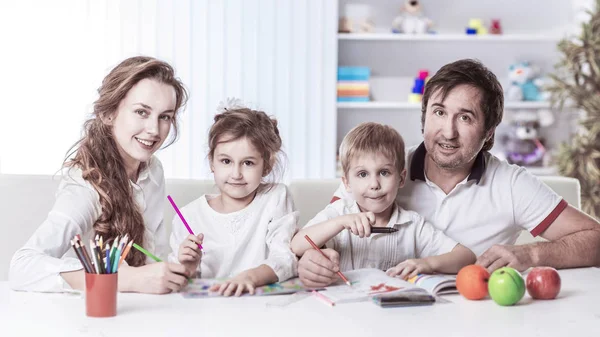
(238, 241)
(415, 238)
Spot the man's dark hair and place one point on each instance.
(474, 73)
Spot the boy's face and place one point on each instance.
(373, 181)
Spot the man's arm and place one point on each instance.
(574, 241)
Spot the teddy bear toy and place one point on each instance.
(411, 20)
(523, 145)
(525, 85)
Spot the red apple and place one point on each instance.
(543, 283)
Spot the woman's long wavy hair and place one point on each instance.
(98, 157)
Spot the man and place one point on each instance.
(475, 198)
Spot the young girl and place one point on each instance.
(372, 157)
(246, 229)
(112, 186)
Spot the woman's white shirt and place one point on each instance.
(233, 242)
(38, 264)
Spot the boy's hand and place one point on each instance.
(242, 282)
(410, 268)
(359, 224)
(189, 254)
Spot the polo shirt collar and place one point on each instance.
(417, 165)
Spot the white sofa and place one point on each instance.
(25, 201)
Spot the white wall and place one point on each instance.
(277, 55)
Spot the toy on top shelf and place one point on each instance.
(417, 90)
(476, 27)
(411, 20)
(495, 27)
(523, 145)
(525, 85)
(353, 84)
(357, 19)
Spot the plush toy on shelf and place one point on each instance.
(525, 84)
(495, 27)
(411, 20)
(523, 145)
(357, 19)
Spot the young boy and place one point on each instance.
(372, 158)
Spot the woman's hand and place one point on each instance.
(154, 278)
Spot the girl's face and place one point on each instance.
(142, 122)
(238, 168)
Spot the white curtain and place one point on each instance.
(278, 55)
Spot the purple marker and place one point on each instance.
(182, 218)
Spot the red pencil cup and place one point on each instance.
(101, 295)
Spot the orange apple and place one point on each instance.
(472, 282)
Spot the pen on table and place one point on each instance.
(323, 298)
(383, 230)
(182, 218)
(320, 251)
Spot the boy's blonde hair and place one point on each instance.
(369, 138)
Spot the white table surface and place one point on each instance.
(576, 312)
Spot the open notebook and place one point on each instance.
(370, 283)
(366, 284)
(438, 284)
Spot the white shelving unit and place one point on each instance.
(395, 59)
(412, 106)
(449, 37)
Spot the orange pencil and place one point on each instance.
(124, 255)
(320, 251)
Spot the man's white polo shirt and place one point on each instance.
(491, 206)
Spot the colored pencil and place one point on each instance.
(117, 257)
(323, 298)
(86, 266)
(113, 249)
(182, 218)
(147, 253)
(87, 258)
(124, 255)
(78, 253)
(320, 251)
(95, 257)
(97, 251)
(108, 258)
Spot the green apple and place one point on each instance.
(506, 286)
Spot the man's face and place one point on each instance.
(454, 128)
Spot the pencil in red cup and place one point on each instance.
(182, 218)
(320, 251)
